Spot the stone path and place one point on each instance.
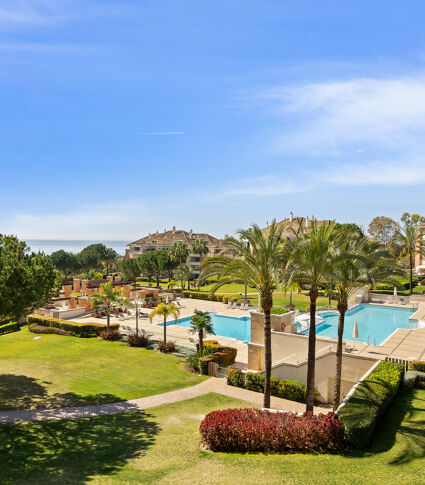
(213, 384)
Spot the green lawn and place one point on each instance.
(161, 445)
(301, 301)
(60, 371)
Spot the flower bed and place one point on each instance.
(254, 430)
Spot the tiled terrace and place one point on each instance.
(181, 335)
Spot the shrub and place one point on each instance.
(167, 347)
(79, 329)
(418, 365)
(292, 390)
(200, 295)
(361, 413)
(414, 378)
(141, 340)
(384, 286)
(255, 430)
(111, 335)
(9, 328)
(283, 388)
(279, 311)
(214, 352)
(35, 328)
(193, 362)
(254, 381)
(235, 378)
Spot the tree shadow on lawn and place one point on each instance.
(23, 392)
(72, 451)
(398, 427)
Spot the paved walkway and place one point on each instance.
(213, 384)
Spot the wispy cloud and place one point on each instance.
(330, 117)
(35, 47)
(389, 173)
(94, 221)
(163, 133)
(263, 186)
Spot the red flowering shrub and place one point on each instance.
(255, 430)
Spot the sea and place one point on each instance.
(48, 246)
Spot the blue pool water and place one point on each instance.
(239, 328)
(378, 322)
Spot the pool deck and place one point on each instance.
(182, 335)
(401, 344)
(407, 344)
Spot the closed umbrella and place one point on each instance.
(395, 295)
(355, 331)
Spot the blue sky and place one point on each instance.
(119, 118)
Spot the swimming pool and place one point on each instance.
(225, 326)
(376, 322)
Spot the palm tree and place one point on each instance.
(199, 246)
(407, 237)
(179, 252)
(258, 260)
(165, 309)
(200, 323)
(108, 299)
(291, 287)
(310, 261)
(184, 273)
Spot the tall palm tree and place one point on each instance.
(310, 261)
(406, 236)
(200, 323)
(165, 309)
(199, 246)
(179, 252)
(291, 287)
(258, 260)
(108, 299)
(184, 273)
(356, 261)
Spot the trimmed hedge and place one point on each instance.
(9, 328)
(256, 430)
(418, 365)
(363, 410)
(284, 388)
(199, 295)
(36, 328)
(216, 353)
(79, 329)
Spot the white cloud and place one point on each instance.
(35, 47)
(263, 186)
(328, 117)
(397, 173)
(94, 221)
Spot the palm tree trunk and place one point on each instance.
(108, 318)
(411, 271)
(290, 298)
(165, 329)
(267, 304)
(338, 371)
(201, 341)
(246, 292)
(311, 363)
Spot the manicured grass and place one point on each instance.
(301, 301)
(54, 370)
(161, 445)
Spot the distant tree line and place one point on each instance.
(92, 259)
